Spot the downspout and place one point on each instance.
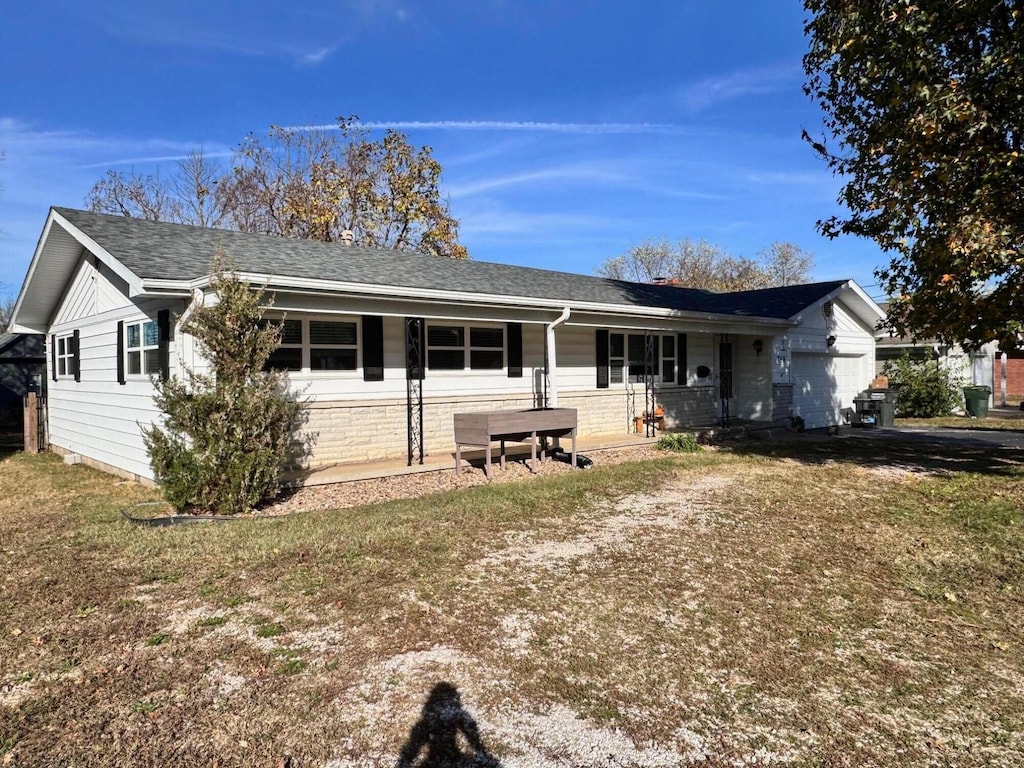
(197, 301)
(550, 362)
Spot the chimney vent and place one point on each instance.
(347, 237)
(660, 280)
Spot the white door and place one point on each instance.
(825, 384)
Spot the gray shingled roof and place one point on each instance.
(159, 250)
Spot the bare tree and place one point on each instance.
(187, 196)
(787, 264)
(699, 264)
(7, 312)
(194, 191)
(132, 195)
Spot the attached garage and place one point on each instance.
(825, 384)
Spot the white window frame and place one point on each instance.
(468, 348)
(622, 361)
(65, 356)
(141, 348)
(306, 346)
(674, 357)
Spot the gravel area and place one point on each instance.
(358, 492)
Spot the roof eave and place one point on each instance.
(310, 285)
(44, 307)
(872, 314)
(134, 281)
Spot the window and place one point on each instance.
(66, 356)
(333, 346)
(142, 348)
(627, 356)
(668, 359)
(486, 349)
(616, 358)
(288, 355)
(316, 345)
(447, 349)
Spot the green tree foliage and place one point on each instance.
(308, 183)
(924, 121)
(924, 388)
(699, 264)
(226, 435)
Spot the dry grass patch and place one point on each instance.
(780, 603)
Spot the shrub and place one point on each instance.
(683, 442)
(925, 389)
(226, 436)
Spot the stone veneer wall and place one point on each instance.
(353, 431)
(782, 404)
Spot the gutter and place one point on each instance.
(550, 361)
(322, 287)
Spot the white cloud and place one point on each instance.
(560, 175)
(746, 82)
(313, 58)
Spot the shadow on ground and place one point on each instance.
(445, 736)
(916, 453)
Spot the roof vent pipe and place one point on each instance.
(347, 237)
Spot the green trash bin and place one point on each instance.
(976, 398)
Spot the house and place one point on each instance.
(22, 363)
(387, 346)
(964, 366)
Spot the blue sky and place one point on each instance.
(568, 131)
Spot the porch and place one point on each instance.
(444, 461)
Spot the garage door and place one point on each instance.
(824, 384)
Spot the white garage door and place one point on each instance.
(824, 384)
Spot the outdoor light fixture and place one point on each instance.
(831, 341)
(758, 346)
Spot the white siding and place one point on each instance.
(97, 417)
(826, 377)
(92, 291)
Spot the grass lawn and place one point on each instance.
(842, 602)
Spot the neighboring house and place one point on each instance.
(1013, 372)
(977, 367)
(388, 345)
(22, 363)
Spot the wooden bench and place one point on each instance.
(481, 428)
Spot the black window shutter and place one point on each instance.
(373, 348)
(120, 352)
(163, 324)
(681, 358)
(602, 358)
(76, 366)
(53, 356)
(514, 334)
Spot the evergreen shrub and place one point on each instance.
(227, 435)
